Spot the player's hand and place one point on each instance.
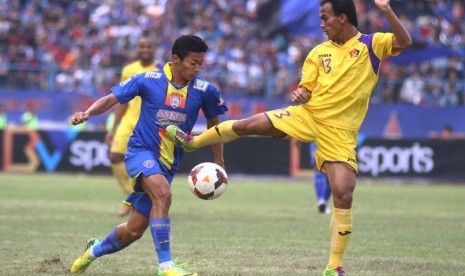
(301, 95)
(109, 138)
(383, 5)
(79, 117)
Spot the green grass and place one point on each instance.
(258, 227)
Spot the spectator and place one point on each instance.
(447, 133)
(79, 46)
(412, 89)
(3, 118)
(453, 89)
(29, 119)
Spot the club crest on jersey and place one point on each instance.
(354, 53)
(149, 163)
(176, 98)
(175, 101)
(200, 85)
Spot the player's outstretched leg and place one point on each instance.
(82, 263)
(177, 135)
(221, 133)
(334, 272)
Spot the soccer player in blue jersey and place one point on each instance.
(174, 95)
(125, 118)
(338, 77)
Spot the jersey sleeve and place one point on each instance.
(382, 45)
(213, 104)
(310, 71)
(126, 90)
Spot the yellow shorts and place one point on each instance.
(121, 138)
(332, 144)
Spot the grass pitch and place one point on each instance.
(258, 227)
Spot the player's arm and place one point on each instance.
(308, 80)
(98, 107)
(301, 95)
(401, 39)
(217, 148)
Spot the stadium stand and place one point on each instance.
(80, 46)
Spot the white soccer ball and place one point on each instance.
(207, 180)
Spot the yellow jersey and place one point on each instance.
(131, 116)
(342, 77)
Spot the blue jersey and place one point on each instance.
(165, 104)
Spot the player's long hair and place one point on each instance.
(188, 43)
(346, 7)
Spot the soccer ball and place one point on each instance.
(207, 180)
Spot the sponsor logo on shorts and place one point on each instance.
(149, 163)
(349, 159)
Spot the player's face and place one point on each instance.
(145, 50)
(330, 23)
(190, 66)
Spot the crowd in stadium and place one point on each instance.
(80, 46)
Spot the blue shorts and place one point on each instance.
(142, 163)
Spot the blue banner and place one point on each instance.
(296, 17)
(394, 121)
(424, 53)
(301, 17)
(407, 121)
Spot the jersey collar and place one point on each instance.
(167, 70)
(348, 42)
(169, 75)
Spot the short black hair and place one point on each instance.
(188, 43)
(346, 7)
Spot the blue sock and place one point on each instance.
(160, 229)
(321, 183)
(110, 244)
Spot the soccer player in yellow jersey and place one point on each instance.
(338, 77)
(126, 117)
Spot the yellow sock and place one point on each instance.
(341, 229)
(221, 133)
(119, 171)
